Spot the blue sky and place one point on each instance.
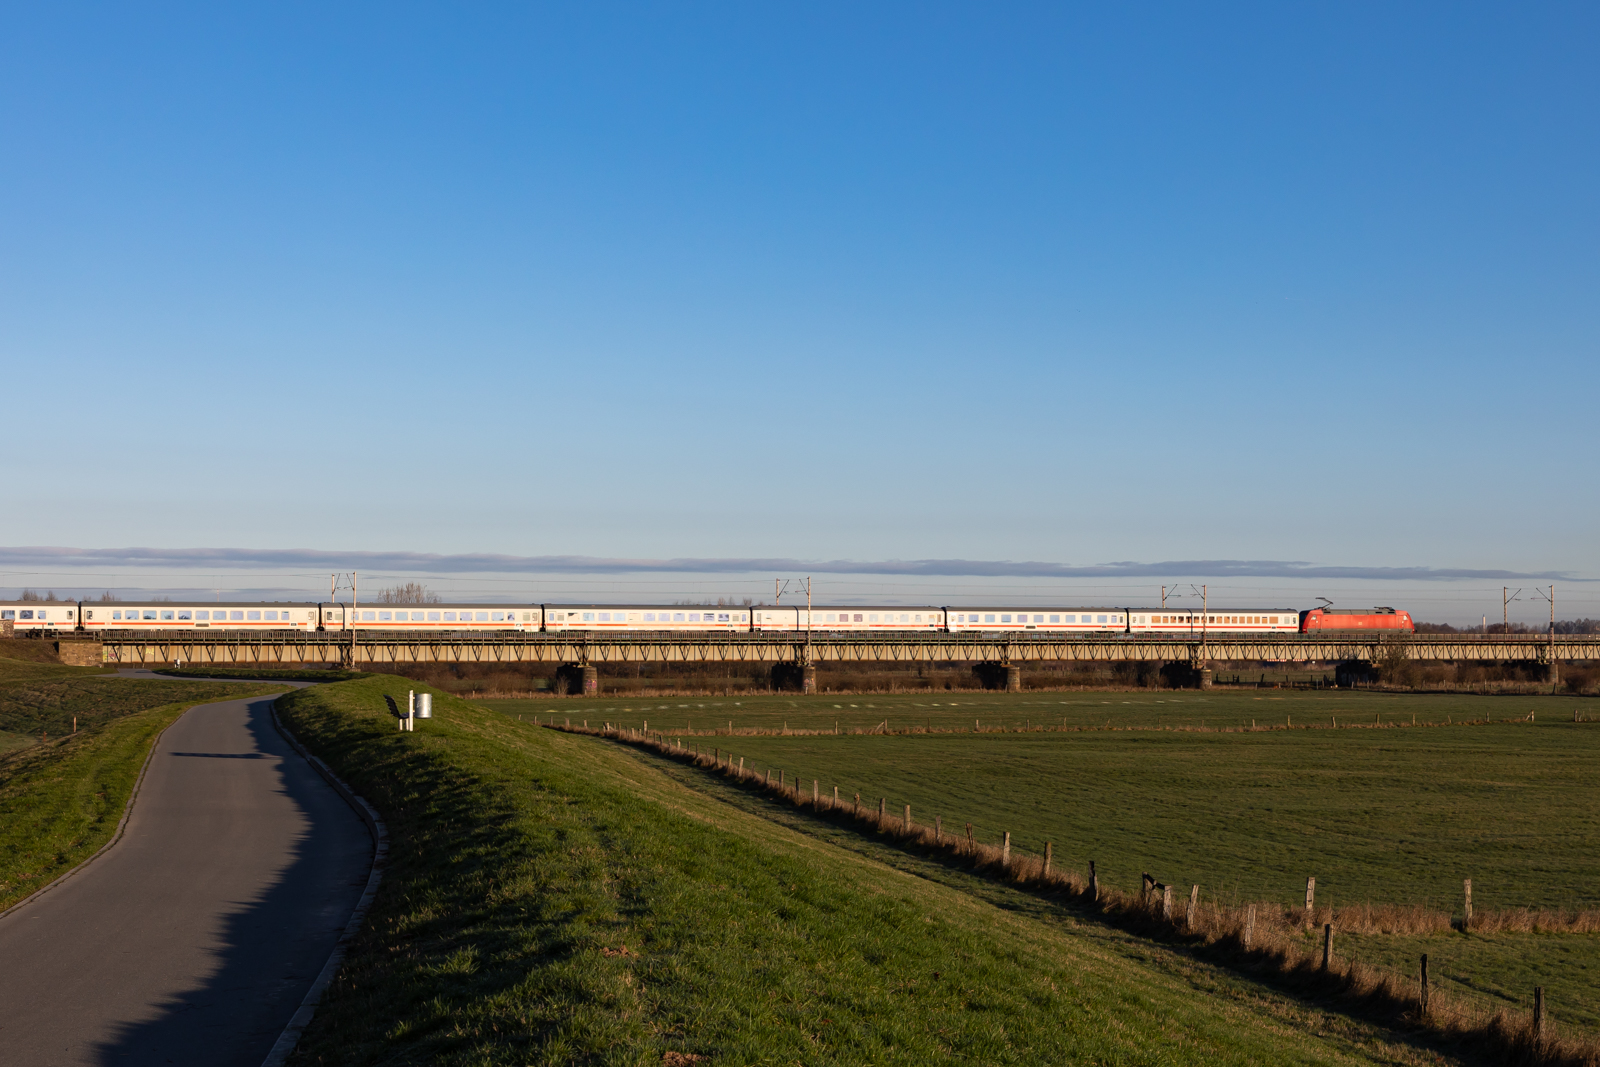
(1164, 282)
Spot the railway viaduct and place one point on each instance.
(592, 652)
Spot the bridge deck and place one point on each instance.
(557, 648)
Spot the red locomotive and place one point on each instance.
(1321, 620)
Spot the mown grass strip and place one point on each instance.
(61, 801)
(549, 900)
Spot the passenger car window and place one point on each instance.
(499, 616)
(167, 616)
(384, 616)
(149, 615)
(253, 616)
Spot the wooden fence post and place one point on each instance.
(1538, 1013)
(1005, 849)
(780, 777)
(815, 792)
(969, 835)
(908, 819)
(857, 808)
(1249, 925)
(938, 828)
(1166, 902)
(1094, 882)
(741, 764)
(1311, 898)
(836, 796)
(1188, 912)
(1047, 857)
(1422, 995)
(1327, 945)
(1466, 889)
(1146, 885)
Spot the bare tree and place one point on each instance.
(108, 597)
(410, 593)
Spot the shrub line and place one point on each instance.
(1241, 938)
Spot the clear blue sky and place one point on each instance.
(865, 282)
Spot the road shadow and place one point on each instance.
(272, 946)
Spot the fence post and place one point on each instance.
(1538, 1013)
(1422, 997)
(1166, 902)
(1005, 849)
(1047, 857)
(1147, 884)
(1094, 882)
(1327, 945)
(857, 808)
(938, 828)
(1249, 926)
(908, 818)
(1188, 912)
(969, 835)
(1466, 889)
(741, 764)
(1311, 898)
(882, 807)
(836, 796)
(815, 794)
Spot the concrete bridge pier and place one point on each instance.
(1205, 677)
(591, 680)
(1013, 678)
(808, 678)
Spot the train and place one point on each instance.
(107, 617)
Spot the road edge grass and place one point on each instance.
(549, 900)
(1228, 937)
(65, 801)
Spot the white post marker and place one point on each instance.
(411, 709)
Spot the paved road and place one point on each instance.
(193, 940)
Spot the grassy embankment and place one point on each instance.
(1398, 815)
(63, 793)
(551, 899)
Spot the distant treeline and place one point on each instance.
(1563, 626)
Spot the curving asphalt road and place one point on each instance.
(195, 937)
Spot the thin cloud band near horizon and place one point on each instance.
(481, 563)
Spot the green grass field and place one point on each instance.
(61, 799)
(558, 899)
(1392, 815)
(1142, 709)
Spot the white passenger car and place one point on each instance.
(1230, 621)
(847, 619)
(432, 617)
(170, 615)
(635, 617)
(30, 615)
(1044, 620)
